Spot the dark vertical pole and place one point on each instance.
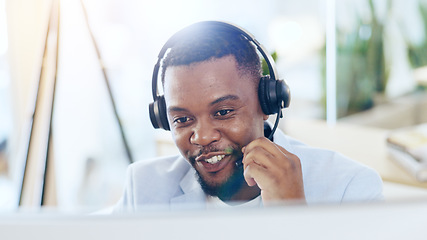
(49, 139)
(36, 109)
(107, 83)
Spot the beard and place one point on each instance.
(228, 188)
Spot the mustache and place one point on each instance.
(233, 150)
(206, 150)
(236, 152)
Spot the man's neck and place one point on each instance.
(245, 193)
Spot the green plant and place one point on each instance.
(417, 53)
(265, 70)
(361, 70)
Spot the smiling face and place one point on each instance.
(213, 107)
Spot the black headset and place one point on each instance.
(273, 94)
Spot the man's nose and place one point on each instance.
(204, 133)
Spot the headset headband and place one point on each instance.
(211, 25)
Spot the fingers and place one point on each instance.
(276, 171)
(266, 154)
(247, 174)
(255, 175)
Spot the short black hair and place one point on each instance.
(207, 44)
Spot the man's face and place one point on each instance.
(212, 108)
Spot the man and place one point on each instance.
(211, 82)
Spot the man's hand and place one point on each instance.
(276, 171)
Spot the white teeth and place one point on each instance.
(214, 159)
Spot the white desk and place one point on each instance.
(353, 221)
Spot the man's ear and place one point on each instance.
(266, 117)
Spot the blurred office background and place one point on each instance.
(373, 52)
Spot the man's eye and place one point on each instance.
(181, 120)
(223, 112)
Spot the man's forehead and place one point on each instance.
(213, 70)
(219, 66)
(207, 81)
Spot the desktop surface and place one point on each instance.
(397, 220)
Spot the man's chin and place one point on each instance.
(224, 189)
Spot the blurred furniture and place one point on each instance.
(363, 144)
(400, 112)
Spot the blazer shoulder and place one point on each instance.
(173, 166)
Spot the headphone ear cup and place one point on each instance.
(263, 101)
(266, 95)
(273, 95)
(163, 113)
(284, 93)
(158, 115)
(152, 112)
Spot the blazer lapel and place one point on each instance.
(193, 195)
